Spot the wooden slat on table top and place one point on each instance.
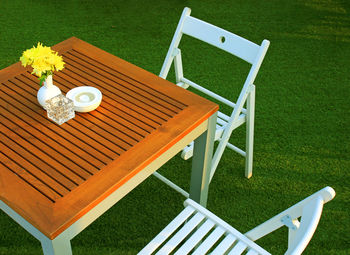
(57, 172)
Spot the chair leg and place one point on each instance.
(250, 133)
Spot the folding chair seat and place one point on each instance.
(197, 231)
(222, 123)
(239, 47)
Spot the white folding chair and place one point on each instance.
(196, 230)
(237, 46)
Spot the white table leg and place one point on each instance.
(201, 163)
(59, 246)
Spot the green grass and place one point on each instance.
(302, 110)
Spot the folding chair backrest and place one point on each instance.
(300, 233)
(222, 39)
(239, 47)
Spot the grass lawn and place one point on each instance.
(302, 131)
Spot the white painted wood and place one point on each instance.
(195, 133)
(238, 122)
(292, 232)
(221, 123)
(239, 248)
(225, 117)
(236, 149)
(224, 245)
(239, 104)
(252, 252)
(174, 44)
(195, 238)
(201, 163)
(171, 184)
(234, 242)
(178, 65)
(223, 224)
(59, 246)
(218, 133)
(309, 209)
(187, 152)
(250, 133)
(237, 46)
(214, 236)
(215, 36)
(309, 221)
(182, 85)
(167, 231)
(228, 131)
(209, 93)
(294, 211)
(181, 234)
(21, 221)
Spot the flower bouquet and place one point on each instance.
(44, 62)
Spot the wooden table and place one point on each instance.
(56, 180)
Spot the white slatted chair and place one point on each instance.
(196, 230)
(239, 47)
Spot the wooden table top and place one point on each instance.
(52, 175)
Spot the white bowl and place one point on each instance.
(85, 98)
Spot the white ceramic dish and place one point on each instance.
(85, 98)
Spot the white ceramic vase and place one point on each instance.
(47, 91)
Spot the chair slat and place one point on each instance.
(209, 241)
(167, 231)
(181, 234)
(209, 93)
(252, 252)
(224, 116)
(221, 122)
(224, 245)
(221, 38)
(196, 237)
(234, 242)
(225, 225)
(236, 149)
(238, 248)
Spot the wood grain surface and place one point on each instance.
(52, 175)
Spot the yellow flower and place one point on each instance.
(55, 61)
(39, 66)
(27, 57)
(42, 59)
(59, 64)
